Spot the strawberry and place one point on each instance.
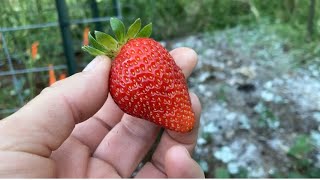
(145, 81)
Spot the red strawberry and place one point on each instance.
(145, 81)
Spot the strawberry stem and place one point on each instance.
(104, 44)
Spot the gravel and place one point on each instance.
(254, 101)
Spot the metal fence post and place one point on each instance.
(116, 8)
(95, 13)
(66, 35)
(16, 85)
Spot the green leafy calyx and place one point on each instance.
(101, 43)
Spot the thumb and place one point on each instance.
(45, 123)
(179, 164)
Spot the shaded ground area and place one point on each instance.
(261, 112)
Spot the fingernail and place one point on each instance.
(92, 64)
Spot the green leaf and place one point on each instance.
(243, 173)
(134, 29)
(118, 28)
(313, 172)
(95, 44)
(295, 175)
(145, 31)
(92, 51)
(221, 173)
(301, 147)
(106, 40)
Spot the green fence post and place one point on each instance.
(95, 13)
(116, 8)
(66, 35)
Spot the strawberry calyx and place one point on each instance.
(104, 44)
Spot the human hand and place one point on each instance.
(74, 129)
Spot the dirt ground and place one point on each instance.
(261, 112)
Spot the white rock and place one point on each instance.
(316, 116)
(273, 123)
(210, 128)
(233, 168)
(225, 154)
(267, 96)
(208, 93)
(256, 172)
(201, 141)
(317, 164)
(202, 88)
(268, 85)
(204, 165)
(13, 93)
(315, 136)
(203, 76)
(231, 116)
(244, 122)
(259, 108)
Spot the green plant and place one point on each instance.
(302, 166)
(266, 117)
(221, 173)
(301, 147)
(221, 96)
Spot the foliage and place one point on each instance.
(171, 19)
(302, 166)
(301, 147)
(221, 173)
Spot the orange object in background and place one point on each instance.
(52, 76)
(34, 49)
(85, 36)
(62, 76)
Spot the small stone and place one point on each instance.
(201, 141)
(202, 88)
(257, 172)
(317, 164)
(209, 52)
(267, 96)
(231, 116)
(229, 134)
(273, 123)
(208, 93)
(225, 154)
(12, 93)
(249, 72)
(203, 76)
(259, 108)
(210, 128)
(316, 116)
(268, 85)
(244, 122)
(204, 165)
(233, 168)
(315, 136)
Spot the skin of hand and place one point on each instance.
(74, 129)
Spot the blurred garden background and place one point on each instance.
(258, 76)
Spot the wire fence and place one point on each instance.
(13, 76)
